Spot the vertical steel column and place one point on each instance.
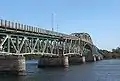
(47, 46)
(32, 43)
(25, 47)
(38, 46)
(74, 46)
(44, 47)
(51, 46)
(79, 49)
(17, 43)
(70, 45)
(35, 44)
(78, 46)
(64, 46)
(57, 47)
(8, 45)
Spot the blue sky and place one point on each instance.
(99, 18)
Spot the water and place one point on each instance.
(105, 70)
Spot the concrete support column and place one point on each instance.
(0, 43)
(94, 58)
(53, 61)
(83, 59)
(99, 58)
(66, 61)
(14, 64)
(21, 65)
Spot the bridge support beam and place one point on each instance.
(83, 59)
(53, 61)
(98, 58)
(13, 64)
(101, 57)
(94, 59)
(66, 61)
(75, 59)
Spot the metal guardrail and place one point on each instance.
(17, 26)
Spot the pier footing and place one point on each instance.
(13, 64)
(64, 61)
(94, 59)
(98, 58)
(53, 61)
(75, 59)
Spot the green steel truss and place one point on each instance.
(20, 40)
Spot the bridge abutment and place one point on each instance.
(14, 64)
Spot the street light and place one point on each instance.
(52, 21)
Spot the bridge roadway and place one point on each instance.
(57, 49)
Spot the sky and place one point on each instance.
(99, 18)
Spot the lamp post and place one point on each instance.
(52, 21)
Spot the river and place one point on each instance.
(104, 70)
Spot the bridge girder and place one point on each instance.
(22, 44)
(22, 39)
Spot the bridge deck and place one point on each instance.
(17, 28)
(21, 27)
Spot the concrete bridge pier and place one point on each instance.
(89, 58)
(83, 59)
(53, 61)
(94, 58)
(13, 64)
(101, 57)
(66, 61)
(98, 58)
(75, 59)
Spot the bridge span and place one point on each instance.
(57, 49)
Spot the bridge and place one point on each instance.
(17, 40)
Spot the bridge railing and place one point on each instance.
(21, 27)
(25, 28)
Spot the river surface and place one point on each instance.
(105, 70)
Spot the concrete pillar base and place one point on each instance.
(53, 61)
(66, 61)
(13, 64)
(99, 58)
(75, 59)
(83, 59)
(94, 58)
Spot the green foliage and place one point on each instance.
(103, 51)
(110, 55)
(117, 50)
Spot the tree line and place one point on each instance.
(115, 53)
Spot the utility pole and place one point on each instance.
(52, 21)
(57, 27)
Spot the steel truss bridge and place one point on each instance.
(20, 39)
